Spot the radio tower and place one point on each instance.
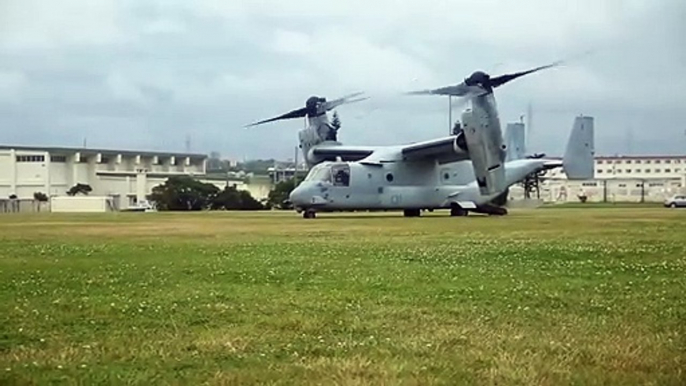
(188, 143)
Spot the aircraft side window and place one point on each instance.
(389, 177)
(341, 176)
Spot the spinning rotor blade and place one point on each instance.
(479, 83)
(299, 113)
(501, 80)
(343, 100)
(314, 106)
(456, 90)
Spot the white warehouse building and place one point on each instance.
(650, 178)
(124, 176)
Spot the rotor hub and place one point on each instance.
(478, 78)
(313, 105)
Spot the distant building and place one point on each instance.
(126, 176)
(646, 178)
(284, 172)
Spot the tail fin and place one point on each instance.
(514, 139)
(578, 160)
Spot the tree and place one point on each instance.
(79, 188)
(278, 196)
(183, 193)
(232, 199)
(39, 197)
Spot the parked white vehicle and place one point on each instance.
(678, 200)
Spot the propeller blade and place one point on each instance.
(299, 113)
(501, 80)
(330, 105)
(456, 90)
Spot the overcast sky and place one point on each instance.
(143, 74)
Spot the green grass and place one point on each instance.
(568, 296)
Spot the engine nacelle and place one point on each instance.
(484, 142)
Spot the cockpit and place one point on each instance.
(335, 173)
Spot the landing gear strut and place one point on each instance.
(309, 213)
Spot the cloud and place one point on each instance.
(153, 71)
(12, 86)
(39, 25)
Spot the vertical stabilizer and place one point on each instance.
(578, 160)
(515, 141)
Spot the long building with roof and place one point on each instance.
(621, 178)
(124, 175)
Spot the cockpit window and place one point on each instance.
(319, 173)
(338, 174)
(341, 175)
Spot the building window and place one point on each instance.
(656, 184)
(600, 162)
(628, 161)
(677, 170)
(619, 170)
(647, 161)
(668, 170)
(58, 158)
(104, 160)
(589, 184)
(657, 170)
(628, 170)
(657, 161)
(622, 185)
(638, 161)
(637, 170)
(600, 170)
(668, 161)
(30, 158)
(647, 170)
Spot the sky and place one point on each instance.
(150, 74)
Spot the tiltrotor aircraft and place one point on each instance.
(463, 172)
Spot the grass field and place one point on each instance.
(554, 296)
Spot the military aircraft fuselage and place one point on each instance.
(397, 185)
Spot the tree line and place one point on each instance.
(186, 193)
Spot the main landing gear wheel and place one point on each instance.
(412, 213)
(309, 214)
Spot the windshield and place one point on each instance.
(319, 172)
(338, 174)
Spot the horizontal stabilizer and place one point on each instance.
(578, 160)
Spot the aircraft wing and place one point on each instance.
(346, 153)
(441, 149)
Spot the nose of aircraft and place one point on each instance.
(297, 196)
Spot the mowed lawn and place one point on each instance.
(545, 296)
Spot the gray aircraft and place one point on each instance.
(464, 172)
